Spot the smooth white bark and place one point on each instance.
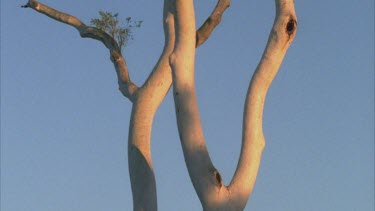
(148, 100)
(145, 99)
(253, 141)
(205, 178)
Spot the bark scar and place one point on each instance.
(291, 26)
(218, 179)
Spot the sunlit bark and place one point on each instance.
(146, 99)
(127, 88)
(205, 178)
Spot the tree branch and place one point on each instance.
(210, 24)
(150, 95)
(127, 88)
(201, 170)
(253, 142)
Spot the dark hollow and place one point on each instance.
(290, 27)
(218, 178)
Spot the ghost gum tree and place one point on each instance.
(177, 62)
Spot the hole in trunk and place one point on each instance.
(291, 26)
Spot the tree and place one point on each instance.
(177, 62)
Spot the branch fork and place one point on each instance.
(235, 195)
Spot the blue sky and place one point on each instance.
(64, 125)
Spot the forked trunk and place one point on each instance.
(205, 178)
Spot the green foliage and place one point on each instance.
(109, 23)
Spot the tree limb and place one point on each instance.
(189, 126)
(210, 24)
(127, 88)
(253, 141)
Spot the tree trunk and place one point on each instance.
(205, 178)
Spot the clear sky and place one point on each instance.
(64, 124)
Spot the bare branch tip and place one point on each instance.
(30, 4)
